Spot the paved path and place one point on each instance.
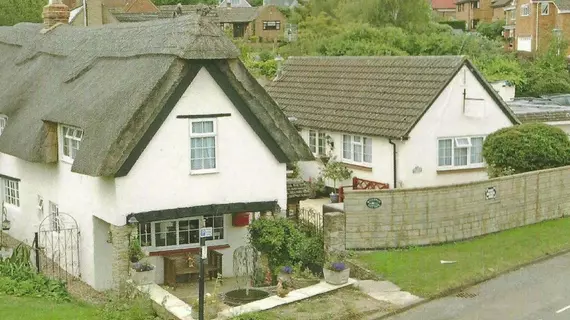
(537, 292)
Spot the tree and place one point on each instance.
(526, 147)
(492, 30)
(16, 11)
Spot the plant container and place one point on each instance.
(240, 219)
(334, 197)
(143, 277)
(336, 277)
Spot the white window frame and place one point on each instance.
(216, 242)
(359, 143)
(525, 10)
(475, 5)
(3, 123)
(69, 139)
(54, 216)
(458, 143)
(317, 140)
(213, 134)
(544, 8)
(10, 191)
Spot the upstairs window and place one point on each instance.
(318, 142)
(70, 139)
(475, 5)
(203, 141)
(525, 10)
(544, 8)
(460, 152)
(3, 122)
(271, 25)
(357, 149)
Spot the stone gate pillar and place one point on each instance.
(334, 232)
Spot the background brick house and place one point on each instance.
(473, 12)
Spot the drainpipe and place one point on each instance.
(85, 13)
(536, 30)
(395, 162)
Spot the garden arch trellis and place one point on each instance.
(57, 247)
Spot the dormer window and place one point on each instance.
(3, 122)
(70, 139)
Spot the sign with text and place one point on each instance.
(373, 203)
(206, 232)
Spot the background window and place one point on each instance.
(202, 145)
(3, 122)
(544, 8)
(460, 152)
(271, 25)
(357, 149)
(12, 192)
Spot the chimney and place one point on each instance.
(55, 12)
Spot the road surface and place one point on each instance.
(537, 292)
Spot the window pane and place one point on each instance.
(208, 126)
(321, 143)
(444, 152)
(197, 127)
(346, 147)
(367, 150)
(459, 156)
(313, 141)
(477, 150)
(358, 152)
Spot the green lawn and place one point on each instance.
(418, 270)
(18, 308)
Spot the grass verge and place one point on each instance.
(419, 271)
(16, 308)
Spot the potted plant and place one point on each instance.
(142, 272)
(336, 273)
(285, 274)
(336, 171)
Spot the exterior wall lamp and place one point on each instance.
(6, 224)
(131, 219)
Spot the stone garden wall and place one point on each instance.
(405, 217)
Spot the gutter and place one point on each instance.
(394, 154)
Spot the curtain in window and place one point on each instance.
(313, 141)
(367, 149)
(346, 147)
(477, 150)
(459, 156)
(203, 149)
(444, 152)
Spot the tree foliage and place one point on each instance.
(16, 11)
(492, 30)
(526, 147)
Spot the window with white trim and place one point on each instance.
(203, 141)
(70, 139)
(54, 216)
(475, 5)
(3, 122)
(11, 191)
(181, 232)
(525, 10)
(356, 149)
(544, 8)
(460, 152)
(318, 142)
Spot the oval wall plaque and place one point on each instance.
(373, 203)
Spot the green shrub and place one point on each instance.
(18, 278)
(457, 24)
(526, 147)
(286, 243)
(127, 303)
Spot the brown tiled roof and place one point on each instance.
(500, 3)
(297, 189)
(223, 14)
(563, 4)
(377, 96)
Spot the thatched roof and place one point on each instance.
(118, 83)
(376, 96)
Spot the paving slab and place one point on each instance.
(388, 292)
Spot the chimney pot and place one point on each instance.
(55, 12)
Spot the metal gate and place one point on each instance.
(57, 247)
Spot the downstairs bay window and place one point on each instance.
(180, 233)
(460, 152)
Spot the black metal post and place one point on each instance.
(201, 284)
(37, 250)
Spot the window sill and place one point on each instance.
(67, 160)
(461, 169)
(173, 251)
(201, 172)
(357, 167)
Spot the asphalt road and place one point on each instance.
(537, 292)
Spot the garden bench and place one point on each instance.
(189, 264)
